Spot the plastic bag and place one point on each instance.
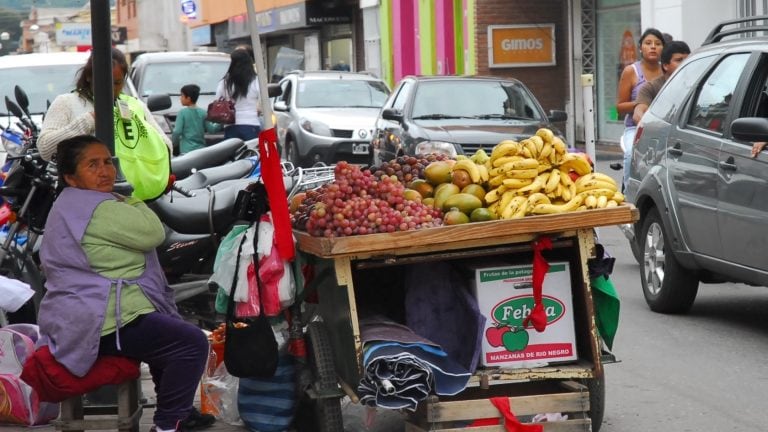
(249, 308)
(226, 255)
(19, 403)
(271, 270)
(220, 389)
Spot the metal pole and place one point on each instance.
(266, 107)
(587, 84)
(103, 99)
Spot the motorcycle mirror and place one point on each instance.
(21, 98)
(159, 102)
(13, 108)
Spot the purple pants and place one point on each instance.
(174, 350)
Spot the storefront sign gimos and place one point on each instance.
(521, 45)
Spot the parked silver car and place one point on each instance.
(701, 194)
(327, 116)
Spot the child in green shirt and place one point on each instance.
(191, 126)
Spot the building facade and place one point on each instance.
(547, 44)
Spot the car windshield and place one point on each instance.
(341, 93)
(171, 77)
(474, 99)
(41, 84)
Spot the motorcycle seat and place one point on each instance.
(215, 175)
(214, 155)
(189, 215)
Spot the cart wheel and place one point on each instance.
(596, 387)
(327, 411)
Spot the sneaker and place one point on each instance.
(196, 420)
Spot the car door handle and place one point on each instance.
(727, 165)
(675, 150)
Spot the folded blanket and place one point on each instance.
(54, 383)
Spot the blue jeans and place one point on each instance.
(244, 132)
(175, 351)
(627, 138)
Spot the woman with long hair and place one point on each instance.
(241, 86)
(632, 78)
(72, 114)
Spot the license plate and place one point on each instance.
(360, 149)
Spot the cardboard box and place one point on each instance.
(505, 297)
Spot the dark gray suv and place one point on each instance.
(703, 198)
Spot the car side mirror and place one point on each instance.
(750, 129)
(280, 106)
(274, 90)
(392, 114)
(159, 102)
(557, 116)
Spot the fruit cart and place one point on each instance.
(336, 349)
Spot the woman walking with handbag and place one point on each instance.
(241, 86)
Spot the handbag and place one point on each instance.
(221, 111)
(250, 348)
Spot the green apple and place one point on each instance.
(515, 340)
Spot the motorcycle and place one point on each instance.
(194, 217)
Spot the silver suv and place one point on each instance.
(166, 72)
(703, 198)
(327, 116)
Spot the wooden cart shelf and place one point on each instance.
(464, 236)
(339, 264)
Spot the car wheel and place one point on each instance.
(668, 287)
(292, 152)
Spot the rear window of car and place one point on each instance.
(170, 77)
(474, 98)
(669, 99)
(41, 83)
(337, 93)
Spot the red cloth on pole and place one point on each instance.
(272, 176)
(538, 316)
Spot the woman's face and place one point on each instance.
(651, 47)
(118, 80)
(94, 171)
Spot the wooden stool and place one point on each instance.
(71, 418)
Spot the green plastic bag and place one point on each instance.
(224, 265)
(607, 307)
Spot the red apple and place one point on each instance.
(495, 334)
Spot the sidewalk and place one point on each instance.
(354, 416)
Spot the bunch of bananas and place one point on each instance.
(474, 165)
(533, 177)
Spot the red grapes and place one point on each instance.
(358, 202)
(407, 168)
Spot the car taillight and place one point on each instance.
(638, 133)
